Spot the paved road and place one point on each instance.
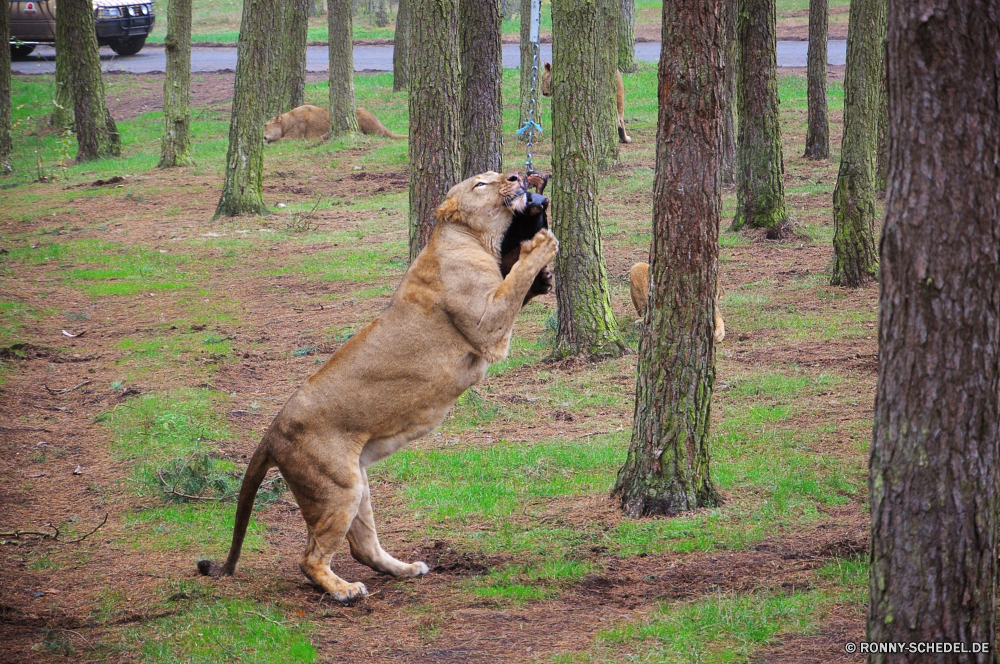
(366, 58)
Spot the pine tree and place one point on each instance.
(626, 36)
(579, 101)
(667, 468)
(6, 103)
(343, 118)
(481, 137)
(175, 146)
(818, 128)
(401, 46)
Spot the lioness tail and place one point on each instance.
(260, 463)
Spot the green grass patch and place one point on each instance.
(201, 529)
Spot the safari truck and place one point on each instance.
(121, 24)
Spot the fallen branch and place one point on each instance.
(18, 534)
(68, 389)
(6, 428)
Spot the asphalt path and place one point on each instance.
(366, 58)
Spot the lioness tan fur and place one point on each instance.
(619, 98)
(395, 380)
(314, 122)
(639, 290)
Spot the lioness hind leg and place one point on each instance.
(365, 546)
(326, 532)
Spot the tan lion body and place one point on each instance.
(314, 122)
(395, 380)
(623, 137)
(639, 290)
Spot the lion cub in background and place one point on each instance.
(314, 122)
(396, 379)
(639, 289)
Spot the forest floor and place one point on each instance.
(190, 334)
(218, 21)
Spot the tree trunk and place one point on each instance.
(96, 133)
(175, 147)
(294, 54)
(586, 322)
(343, 118)
(242, 191)
(527, 61)
(609, 16)
(818, 129)
(667, 468)
(729, 102)
(882, 154)
(479, 24)
(276, 59)
(435, 101)
(382, 14)
(315, 8)
(62, 102)
(626, 36)
(401, 46)
(6, 101)
(854, 214)
(760, 191)
(934, 456)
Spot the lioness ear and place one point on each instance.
(448, 210)
(548, 66)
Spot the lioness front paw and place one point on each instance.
(349, 591)
(417, 569)
(542, 247)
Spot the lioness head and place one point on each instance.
(547, 80)
(273, 130)
(486, 203)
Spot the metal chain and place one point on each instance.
(531, 126)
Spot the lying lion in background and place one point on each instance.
(395, 380)
(619, 99)
(314, 122)
(639, 289)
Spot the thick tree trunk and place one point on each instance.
(934, 456)
(760, 191)
(854, 214)
(626, 36)
(667, 468)
(315, 8)
(729, 102)
(340, 26)
(242, 191)
(175, 146)
(882, 154)
(62, 101)
(6, 103)
(609, 16)
(382, 14)
(401, 46)
(435, 101)
(481, 137)
(96, 133)
(294, 54)
(586, 322)
(527, 59)
(818, 129)
(276, 60)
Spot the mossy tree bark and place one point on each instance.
(62, 101)
(526, 62)
(855, 261)
(276, 60)
(6, 103)
(729, 102)
(479, 23)
(667, 468)
(175, 146)
(96, 133)
(294, 54)
(882, 154)
(242, 192)
(340, 28)
(401, 46)
(382, 13)
(818, 128)
(626, 36)
(760, 191)
(609, 16)
(933, 480)
(434, 104)
(586, 322)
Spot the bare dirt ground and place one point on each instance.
(282, 312)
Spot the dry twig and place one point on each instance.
(68, 389)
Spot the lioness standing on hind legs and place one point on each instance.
(395, 380)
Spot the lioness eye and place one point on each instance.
(480, 184)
